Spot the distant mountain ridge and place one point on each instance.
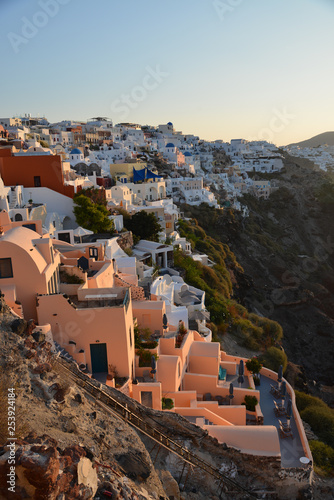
(317, 140)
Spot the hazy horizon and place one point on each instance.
(220, 69)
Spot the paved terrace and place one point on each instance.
(291, 449)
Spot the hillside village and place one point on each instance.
(322, 155)
(118, 308)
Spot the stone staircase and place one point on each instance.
(13, 200)
(70, 353)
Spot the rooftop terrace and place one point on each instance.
(291, 448)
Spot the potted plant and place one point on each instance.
(250, 402)
(181, 334)
(112, 372)
(167, 403)
(254, 366)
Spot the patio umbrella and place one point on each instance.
(231, 395)
(283, 392)
(153, 366)
(280, 376)
(241, 373)
(164, 322)
(81, 231)
(289, 412)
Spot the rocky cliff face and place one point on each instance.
(286, 247)
(45, 471)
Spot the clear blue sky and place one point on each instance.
(228, 68)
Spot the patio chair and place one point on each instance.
(284, 430)
(274, 391)
(220, 400)
(207, 397)
(279, 410)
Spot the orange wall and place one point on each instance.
(234, 414)
(183, 398)
(22, 169)
(208, 383)
(149, 317)
(110, 325)
(203, 364)
(168, 373)
(203, 412)
(154, 387)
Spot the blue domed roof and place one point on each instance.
(170, 123)
(187, 153)
(170, 145)
(76, 151)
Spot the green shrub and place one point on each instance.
(145, 357)
(323, 456)
(304, 400)
(167, 403)
(274, 357)
(321, 420)
(71, 279)
(250, 402)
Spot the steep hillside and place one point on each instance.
(317, 140)
(286, 248)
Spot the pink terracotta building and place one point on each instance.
(28, 265)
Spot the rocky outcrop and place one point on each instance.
(43, 471)
(125, 240)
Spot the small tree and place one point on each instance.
(253, 365)
(144, 225)
(250, 402)
(90, 215)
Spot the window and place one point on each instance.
(37, 181)
(93, 252)
(30, 226)
(6, 270)
(64, 237)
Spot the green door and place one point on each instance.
(98, 354)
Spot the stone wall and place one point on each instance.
(137, 292)
(125, 240)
